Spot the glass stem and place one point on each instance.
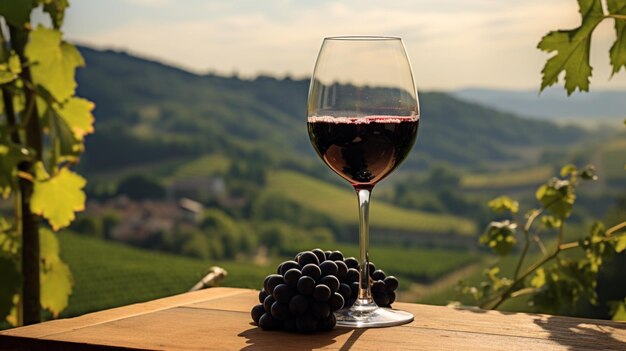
(365, 295)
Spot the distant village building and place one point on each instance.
(197, 188)
(139, 220)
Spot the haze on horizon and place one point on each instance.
(452, 44)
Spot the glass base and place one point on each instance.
(371, 316)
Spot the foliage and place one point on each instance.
(557, 281)
(42, 129)
(573, 46)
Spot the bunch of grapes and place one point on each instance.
(304, 293)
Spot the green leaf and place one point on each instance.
(58, 197)
(503, 203)
(9, 240)
(558, 197)
(500, 237)
(621, 243)
(568, 170)
(56, 277)
(618, 310)
(76, 112)
(617, 53)
(10, 156)
(56, 10)
(9, 70)
(16, 12)
(11, 280)
(572, 47)
(54, 62)
(539, 279)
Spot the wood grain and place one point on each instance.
(219, 319)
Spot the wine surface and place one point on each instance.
(363, 150)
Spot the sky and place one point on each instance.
(452, 44)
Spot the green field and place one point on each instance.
(203, 166)
(341, 204)
(109, 274)
(530, 177)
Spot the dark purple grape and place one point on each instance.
(378, 287)
(297, 257)
(291, 277)
(312, 271)
(378, 275)
(290, 325)
(381, 300)
(298, 305)
(280, 311)
(287, 265)
(327, 254)
(308, 257)
(336, 302)
(280, 266)
(391, 283)
(371, 268)
(321, 293)
(306, 285)
(331, 281)
(328, 323)
(355, 290)
(345, 291)
(267, 304)
(306, 323)
(267, 322)
(328, 268)
(336, 256)
(257, 312)
(320, 310)
(342, 270)
(271, 282)
(352, 276)
(283, 293)
(321, 256)
(262, 295)
(351, 262)
(349, 302)
(392, 297)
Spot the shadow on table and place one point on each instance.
(578, 334)
(258, 339)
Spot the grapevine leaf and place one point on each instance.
(56, 10)
(621, 244)
(551, 221)
(500, 236)
(618, 310)
(10, 69)
(503, 203)
(10, 284)
(16, 12)
(572, 47)
(68, 147)
(58, 197)
(10, 156)
(76, 112)
(568, 170)
(56, 277)
(558, 197)
(54, 62)
(9, 240)
(617, 52)
(539, 279)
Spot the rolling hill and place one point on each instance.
(147, 111)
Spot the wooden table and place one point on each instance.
(219, 319)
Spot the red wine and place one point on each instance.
(363, 150)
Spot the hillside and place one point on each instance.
(147, 111)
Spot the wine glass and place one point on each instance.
(363, 117)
